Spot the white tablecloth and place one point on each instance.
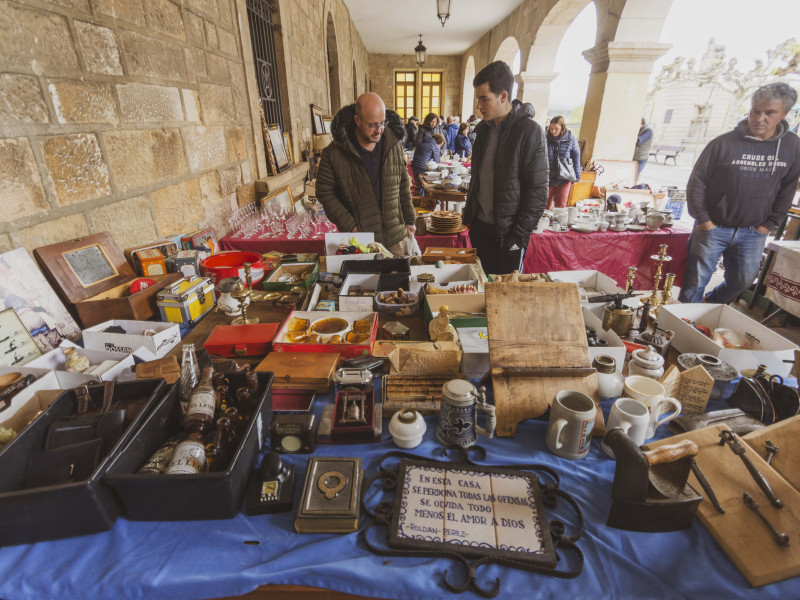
(783, 285)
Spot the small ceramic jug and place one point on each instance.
(646, 362)
(461, 403)
(609, 382)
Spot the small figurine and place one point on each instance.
(75, 363)
(440, 328)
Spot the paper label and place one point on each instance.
(202, 403)
(189, 458)
(692, 388)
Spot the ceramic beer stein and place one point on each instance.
(461, 403)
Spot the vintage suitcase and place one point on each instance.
(93, 279)
(241, 340)
(301, 370)
(186, 301)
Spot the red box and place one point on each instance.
(241, 340)
(344, 350)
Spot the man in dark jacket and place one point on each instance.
(509, 174)
(740, 190)
(411, 132)
(363, 181)
(450, 133)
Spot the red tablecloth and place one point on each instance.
(610, 252)
(287, 246)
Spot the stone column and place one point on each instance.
(536, 90)
(616, 98)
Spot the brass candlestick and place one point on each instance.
(667, 293)
(241, 294)
(656, 298)
(629, 283)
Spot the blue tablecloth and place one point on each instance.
(206, 559)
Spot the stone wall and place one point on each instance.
(130, 116)
(383, 66)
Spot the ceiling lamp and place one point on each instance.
(443, 10)
(420, 52)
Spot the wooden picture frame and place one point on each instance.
(327, 124)
(316, 119)
(287, 143)
(282, 199)
(276, 140)
(273, 166)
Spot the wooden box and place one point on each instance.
(92, 277)
(254, 339)
(301, 370)
(462, 255)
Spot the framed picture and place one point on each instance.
(281, 200)
(17, 347)
(316, 119)
(276, 140)
(273, 166)
(287, 143)
(326, 124)
(24, 288)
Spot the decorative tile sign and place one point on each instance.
(484, 510)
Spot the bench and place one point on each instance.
(667, 152)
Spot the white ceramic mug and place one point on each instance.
(651, 393)
(632, 417)
(572, 418)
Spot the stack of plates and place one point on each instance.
(445, 221)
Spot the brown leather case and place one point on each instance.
(91, 276)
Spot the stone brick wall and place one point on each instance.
(383, 66)
(130, 116)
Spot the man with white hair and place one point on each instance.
(740, 190)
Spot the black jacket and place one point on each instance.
(520, 177)
(424, 131)
(740, 181)
(411, 136)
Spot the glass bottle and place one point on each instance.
(158, 461)
(190, 455)
(219, 445)
(202, 403)
(251, 379)
(190, 374)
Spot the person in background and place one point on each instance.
(739, 191)
(428, 150)
(463, 147)
(363, 181)
(450, 133)
(509, 174)
(643, 142)
(561, 143)
(411, 133)
(427, 128)
(473, 122)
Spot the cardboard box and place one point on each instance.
(769, 349)
(280, 344)
(615, 348)
(475, 351)
(334, 261)
(592, 283)
(358, 303)
(462, 255)
(166, 337)
(55, 361)
(447, 274)
(25, 405)
(273, 284)
(468, 303)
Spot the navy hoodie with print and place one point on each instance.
(740, 181)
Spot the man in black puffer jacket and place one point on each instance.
(509, 174)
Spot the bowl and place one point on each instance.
(602, 225)
(330, 328)
(398, 310)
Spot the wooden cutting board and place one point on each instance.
(536, 325)
(742, 535)
(786, 436)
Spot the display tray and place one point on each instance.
(67, 509)
(203, 496)
(92, 277)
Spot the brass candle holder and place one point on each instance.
(241, 294)
(629, 283)
(657, 298)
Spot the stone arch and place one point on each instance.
(539, 72)
(333, 65)
(468, 93)
(508, 50)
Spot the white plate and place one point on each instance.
(633, 227)
(584, 228)
(619, 229)
(431, 173)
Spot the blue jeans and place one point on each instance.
(741, 249)
(640, 168)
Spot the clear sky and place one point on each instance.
(747, 29)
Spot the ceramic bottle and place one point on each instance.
(646, 362)
(609, 382)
